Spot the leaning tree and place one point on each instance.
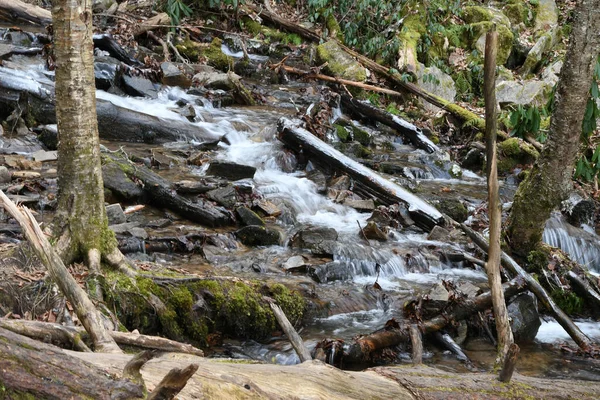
(550, 180)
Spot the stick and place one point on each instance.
(417, 344)
(510, 361)
(289, 330)
(173, 383)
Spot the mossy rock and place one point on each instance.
(342, 133)
(517, 12)
(454, 208)
(333, 28)
(339, 63)
(505, 39)
(189, 49)
(216, 58)
(255, 235)
(514, 151)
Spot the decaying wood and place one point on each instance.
(85, 309)
(387, 192)
(360, 351)
(412, 133)
(510, 362)
(107, 43)
(173, 383)
(534, 286)
(151, 23)
(160, 193)
(505, 336)
(417, 344)
(285, 24)
(44, 371)
(290, 332)
(16, 10)
(133, 367)
(451, 345)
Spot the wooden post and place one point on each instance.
(417, 344)
(509, 363)
(505, 337)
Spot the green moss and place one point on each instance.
(292, 304)
(251, 26)
(473, 14)
(568, 301)
(333, 28)
(341, 132)
(216, 58)
(517, 12)
(338, 63)
(537, 260)
(510, 147)
(189, 49)
(292, 38)
(505, 38)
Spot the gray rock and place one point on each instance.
(524, 318)
(138, 233)
(4, 175)
(115, 214)
(105, 72)
(435, 81)
(227, 196)
(547, 15)
(372, 231)
(439, 234)
(254, 235)
(122, 228)
(230, 170)
(535, 55)
(532, 92)
(173, 76)
(340, 63)
(119, 183)
(454, 209)
(551, 73)
(43, 155)
(319, 179)
(211, 78)
(469, 289)
(341, 183)
(329, 272)
(139, 86)
(319, 240)
(360, 205)
(295, 264)
(249, 217)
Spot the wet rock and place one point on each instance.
(173, 76)
(468, 289)
(329, 272)
(249, 217)
(19, 38)
(254, 235)
(188, 111)
(473, 159)
(341, 183)
(579, 211)
(340, 63)
(319, 240)
(106, 72)
(211, 78)
(4, 175)
(43, 155)
(47, 134)
(230, 170)
(360, 205)
(123, 228)
(435, 81)
(454, 208)
(20, 144)
(268, 208)
(319, 179)
(138, 232)
(372, 231)
(31, 200)
(295, 264)
(140, 87)
(119, 183)
(115, 214)
(195, 187)
(159, 223)
(524, 318)
(227, 196)
(439, 234)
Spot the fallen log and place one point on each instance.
(412, 133)
(285, 24)
(106, 43)
(452, 346)
(298, 138)
(289, 330)
(160, 192)
(16, 10)
(534, 286)
(416, 341)
(581, 286)
(360, 351)
(151, 23)
(36, 99)
(173, 382)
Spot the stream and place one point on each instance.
(404, 266)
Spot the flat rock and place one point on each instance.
(249, 217)
(27, 200)
(115, 214)
(319, 240)
(122, 228)
(230, 170)
(532, 92)
(268, 208)
(195, 187)
(140, 87)
(254, 235)
(43, 155)
(227, 196)
(359, 204)
(436, 81)
(173, 76)
(295, 264)
(138, 233)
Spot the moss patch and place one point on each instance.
(216, 58)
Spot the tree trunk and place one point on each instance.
(549, 182)
(505, 336)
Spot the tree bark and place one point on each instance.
(550, 180)
(505, 336)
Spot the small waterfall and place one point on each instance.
(582, 246)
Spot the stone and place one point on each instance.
(340, 63)
(341, 183)
(42, 155)
(105, 72)
(194, 187)
(26, 175)
(439, 234)
(140, 87)
(159, 223)
(524, 318)
(227, 196)
(434, 80)
(454, 208)
(4, 175)
(551, 73)
(372, 231)
(295, 264)
(254, 235)
(122, 228)
(546, 16)
(230, 170)
(249, 217)
(474, 159)
(119, 183)
(360, 205)
(468, 289)
(268, 208)
(138, 232)
(532, 92)
(29, 200)
(481, 20)
(536, 54)
(115, 214)
(211, 78)
(319, 240)
(173, 76)
(319, 179)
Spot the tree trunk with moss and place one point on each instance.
(549, 182)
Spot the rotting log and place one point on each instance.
(74, 336)
(318, 151)
(46, 372)
(160, 193)
(17, 10)
(84, 308)
(114, 122)
(285, 24)
(151, 23)
(534, 286)
(288, 328)
(412, 133)
(360, 351)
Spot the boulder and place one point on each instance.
(434, 80)
(530, 92)
(319, 240)
(249, 217)
(319, 179)
(340, 63)
(372, 231)
(211, 78)
(173, 76)
(227, 196)
(481, 20)
(230, 170)
(524, 318)
(119, 183)
(105, 72)
(115, 214)
(546, 16)
(439, 234)
(295, 264)
(536, 54)
(454, 208)
(140, 87)
(254, 235)
(4, 175)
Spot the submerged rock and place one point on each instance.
(254, 235)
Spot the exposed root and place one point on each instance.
(117, 260)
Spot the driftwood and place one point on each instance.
(288, 328)
(73, 337)
(360, 351)
(387, 192)
(510, 362)
(412, 133)
(452, 346)
(16, 10)
(85, 309)
(114, 122)
(416, 341)
(160, 192)
(534, 286)
(151, 23)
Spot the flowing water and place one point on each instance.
(405, 265)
